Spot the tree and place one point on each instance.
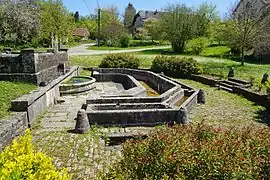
(262, 44)
(178, 24)
(206, 14)
(130, 12)
(19, 21)
(77, 16)
(152, 26)
(56, 22)
(241, 29)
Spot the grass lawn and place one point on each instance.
(118, 48)
(211, 66)
(10, 91)
(226, 109)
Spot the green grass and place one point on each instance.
(211, 66)
(10, 91)
(226, 109)
(104, 48)
(216, 51)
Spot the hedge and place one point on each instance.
(175, 66)
(120, 61)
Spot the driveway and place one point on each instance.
(83, 51)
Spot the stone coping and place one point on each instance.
(91, 81)
(21, 103)
(135, 88)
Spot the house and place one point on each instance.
(142, 16)
(261, 12)
(82, 33)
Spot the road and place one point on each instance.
(83, 51)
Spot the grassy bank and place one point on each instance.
(10, 91)
(211, 66)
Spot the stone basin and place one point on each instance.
(77, 84)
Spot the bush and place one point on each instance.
(120, 61)
(197, 152)
(19, 161)
(124, 40)
(175, 66)
(196, 46)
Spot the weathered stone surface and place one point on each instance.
(32, 67)
(231, 72)
(82, 123)
(11, 128)
(265, 78)
(201, 96)
(183, 116)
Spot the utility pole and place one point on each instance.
(99, 12)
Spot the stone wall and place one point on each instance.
(36, 102)
(11, 127)
(31, 67)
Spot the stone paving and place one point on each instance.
(85, 156)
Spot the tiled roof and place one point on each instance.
(82, 32)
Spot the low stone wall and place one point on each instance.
(123, 118)
(252, 96)
(29, 66)
(158, 83)
(11, 127)
(36, 102)
(204, 80)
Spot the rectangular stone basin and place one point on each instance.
(126, 106)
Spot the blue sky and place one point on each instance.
(78, 5)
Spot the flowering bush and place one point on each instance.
(19, 161)
(197, 152)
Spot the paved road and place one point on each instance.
(83, 51)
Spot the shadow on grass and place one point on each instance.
(263, 116)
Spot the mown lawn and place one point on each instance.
(10, 91)
(211, 66)
(226, 109)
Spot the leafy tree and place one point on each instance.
(262, 44)
(77, 16)
(56, 22)
(241, 29)
(19, 21)
(130, 12)
(206, 14)
(217, 30)
(178, 24)
(152, 26)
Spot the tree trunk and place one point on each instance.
(242, 57)
(178, 47)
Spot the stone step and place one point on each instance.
(236, 84)
(226, 88)
(225, 85)
(240, 81)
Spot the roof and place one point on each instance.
(145, 14)
(82, 32)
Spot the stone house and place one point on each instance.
(141, 17)
(262, 15)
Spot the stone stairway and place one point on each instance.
(228, 85)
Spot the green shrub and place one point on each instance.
(175, 66)
(120, 61)
(197, 152)
(20, 161)
(196, 46)
(124, 40)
